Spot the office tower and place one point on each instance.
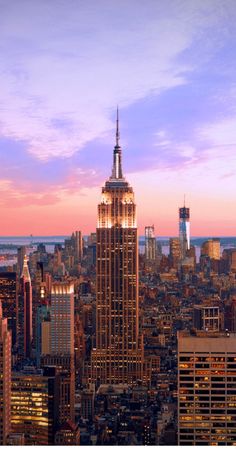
(175, 251)
(80, 345)
(211, 248)
(184, 230)
(118, 354)
(229, 259)
(35, 405)
(9, 298)
(59, 349)
(66, 384)
(5, 379)
(206, 317)
(74, 246)
(39, 298)
(233, 261)
(21, 253)
(25, 313)
(206, 387)
(150, 243)
(58, 265)
(62, 318)
(42, 331)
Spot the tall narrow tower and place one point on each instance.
(5, 379)
(150, 243)
(184, 229)
(118, 354)
(25, 313)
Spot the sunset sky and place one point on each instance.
(66, 64)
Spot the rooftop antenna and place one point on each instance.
(117, 127)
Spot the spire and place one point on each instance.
(184, 200)
(25, 272)
(117, 167)
(117, 128)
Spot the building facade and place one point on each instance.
(5, 379)
(25, 313)
(206, 317)
(211, 248)
(118, 354)
(175, 251)
(184, 230)
(150, 243)
(9, 298)
(207, 388)
(62, 318)
(35, 406)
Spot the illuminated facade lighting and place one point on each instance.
(62, 318)
(33, 404)
(5, 379)
(9, 298)
(25, 313)
(207, 388)
(118, 355)
(150, 243)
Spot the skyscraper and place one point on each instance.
(184, 230)
(150, 243)
(62, 318)
(175, 251)
(74, 246)
(60, 346)
(21, 253)
(118, 353)
(9, 298)
(5, 379)
(211, 248)
(25, 313)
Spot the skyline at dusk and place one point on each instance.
(171, 69)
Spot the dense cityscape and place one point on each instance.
(104, 344)
(117, 230)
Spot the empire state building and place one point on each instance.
(118, 356)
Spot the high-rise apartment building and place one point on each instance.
(206, 388)
(5, 379)
(211, 248)
(184, 230)
(25, 313)
(9, 298)
(118, 354)
(150, 243)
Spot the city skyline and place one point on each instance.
(59, 94)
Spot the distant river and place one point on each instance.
(9, 245)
